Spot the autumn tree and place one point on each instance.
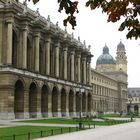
(115, 9)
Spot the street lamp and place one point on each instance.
(131, 113)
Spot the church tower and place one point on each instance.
(121, 58)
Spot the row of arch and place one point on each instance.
(49, 101)
(134, 109)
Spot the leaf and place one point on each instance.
(35, 1)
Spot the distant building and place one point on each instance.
(134, 98)
(109, 81)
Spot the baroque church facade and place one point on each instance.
(109, 81)
(46, 72)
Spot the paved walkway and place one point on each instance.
(128, 131)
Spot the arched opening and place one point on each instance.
(63, 102)
(14, 50)
(84, 103)
(71, 102)
(78, 103)
(33, 100)
(44, 101)
(136, 110)
(54, 102)
(89, 103)
(19, 100)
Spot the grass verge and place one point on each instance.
(30, 132)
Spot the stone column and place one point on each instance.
(89, 72)
(79, 68)
(65, 62)
(59, 106)
(26, 103)
(67, 105)
(72, 65)
(49, 105)
(86, 105)
(36, 41)
(9, 42)
(84, 71)
(39, 104)
(24, 48)
(74, 105)
(47, 46)
(57, 59)
(7, 103)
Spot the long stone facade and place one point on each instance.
(43, 70)
(46, 72)
(109, 95)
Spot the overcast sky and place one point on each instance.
(92, 27)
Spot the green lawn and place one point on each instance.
(24, 132)
(74, 121)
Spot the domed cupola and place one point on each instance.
(120, 46)
(105, 50)
(105, 58)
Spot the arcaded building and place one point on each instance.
(46, 72)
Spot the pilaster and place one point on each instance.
(49, 105)
(26, 103)
(67, 105)
(59, 106)
(74, 105)
(39, 104)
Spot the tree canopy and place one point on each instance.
(115, 9)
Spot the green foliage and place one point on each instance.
(115, 9)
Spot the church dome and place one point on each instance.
(120, 46)
(105, 58)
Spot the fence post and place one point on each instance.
(52, 131)
(94, 125)
(41, 133)
(89, 126)
(77, 128)
(14, 137)
(29, 136)
(69, 129)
